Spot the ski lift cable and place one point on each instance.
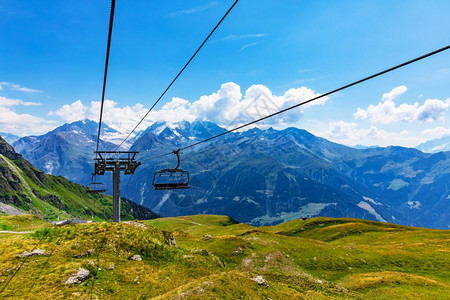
(176, 77)
(308, 101)
(19, 267)
(97, 265)
(126, 187)
(44, 264)
(108, 46)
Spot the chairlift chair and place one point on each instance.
(171, 179)
(95, 187)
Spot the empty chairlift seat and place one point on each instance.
(171, 179)
(95, 187)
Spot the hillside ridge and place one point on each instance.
(23, 188)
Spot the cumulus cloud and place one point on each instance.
(387, 111)
(349, 133)
(21, 124)
(227, 107)
(394, 93)
(18, 88)
(122, 119)
(71, 112)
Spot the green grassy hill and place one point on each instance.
(23, 188)
(320, 258)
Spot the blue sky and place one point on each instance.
(52, 59)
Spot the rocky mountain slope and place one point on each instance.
(270, 176)
(23, 188)
(8, 137)
(67, 150)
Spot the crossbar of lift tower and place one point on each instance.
(115, 162)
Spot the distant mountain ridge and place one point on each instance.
(436, 145)
(237, 175)
(67, 150)
(8, 137)
(270, 176)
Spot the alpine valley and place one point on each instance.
(262, 177)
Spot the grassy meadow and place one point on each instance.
(217, 258)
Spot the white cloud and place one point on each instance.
(221, 107)
(229, 108)
(432, 110)
(349, 133)
(226, 107)
(12, 102)
(21, 124)
(18, 88)
(436, 133)
(387, 111)
(71, 112)
(194, 10)
(248, 45)
(394, 93)
(123, 119)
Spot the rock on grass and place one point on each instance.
(81, 276)
(33, 253)
(136, 257)
(261, 281)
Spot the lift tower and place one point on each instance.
(115, 161)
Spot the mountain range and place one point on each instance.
(66, 150)
(263, 176)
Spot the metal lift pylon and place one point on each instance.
(116, 161)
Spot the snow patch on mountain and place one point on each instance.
(48, 168)
(426, 180)
(414, 204)
(397, 184)
(166, 197)
(371, 200)
(141, 192)
(366, 206)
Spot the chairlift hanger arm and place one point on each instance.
(177, 152)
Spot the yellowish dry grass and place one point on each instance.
(327, 259)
